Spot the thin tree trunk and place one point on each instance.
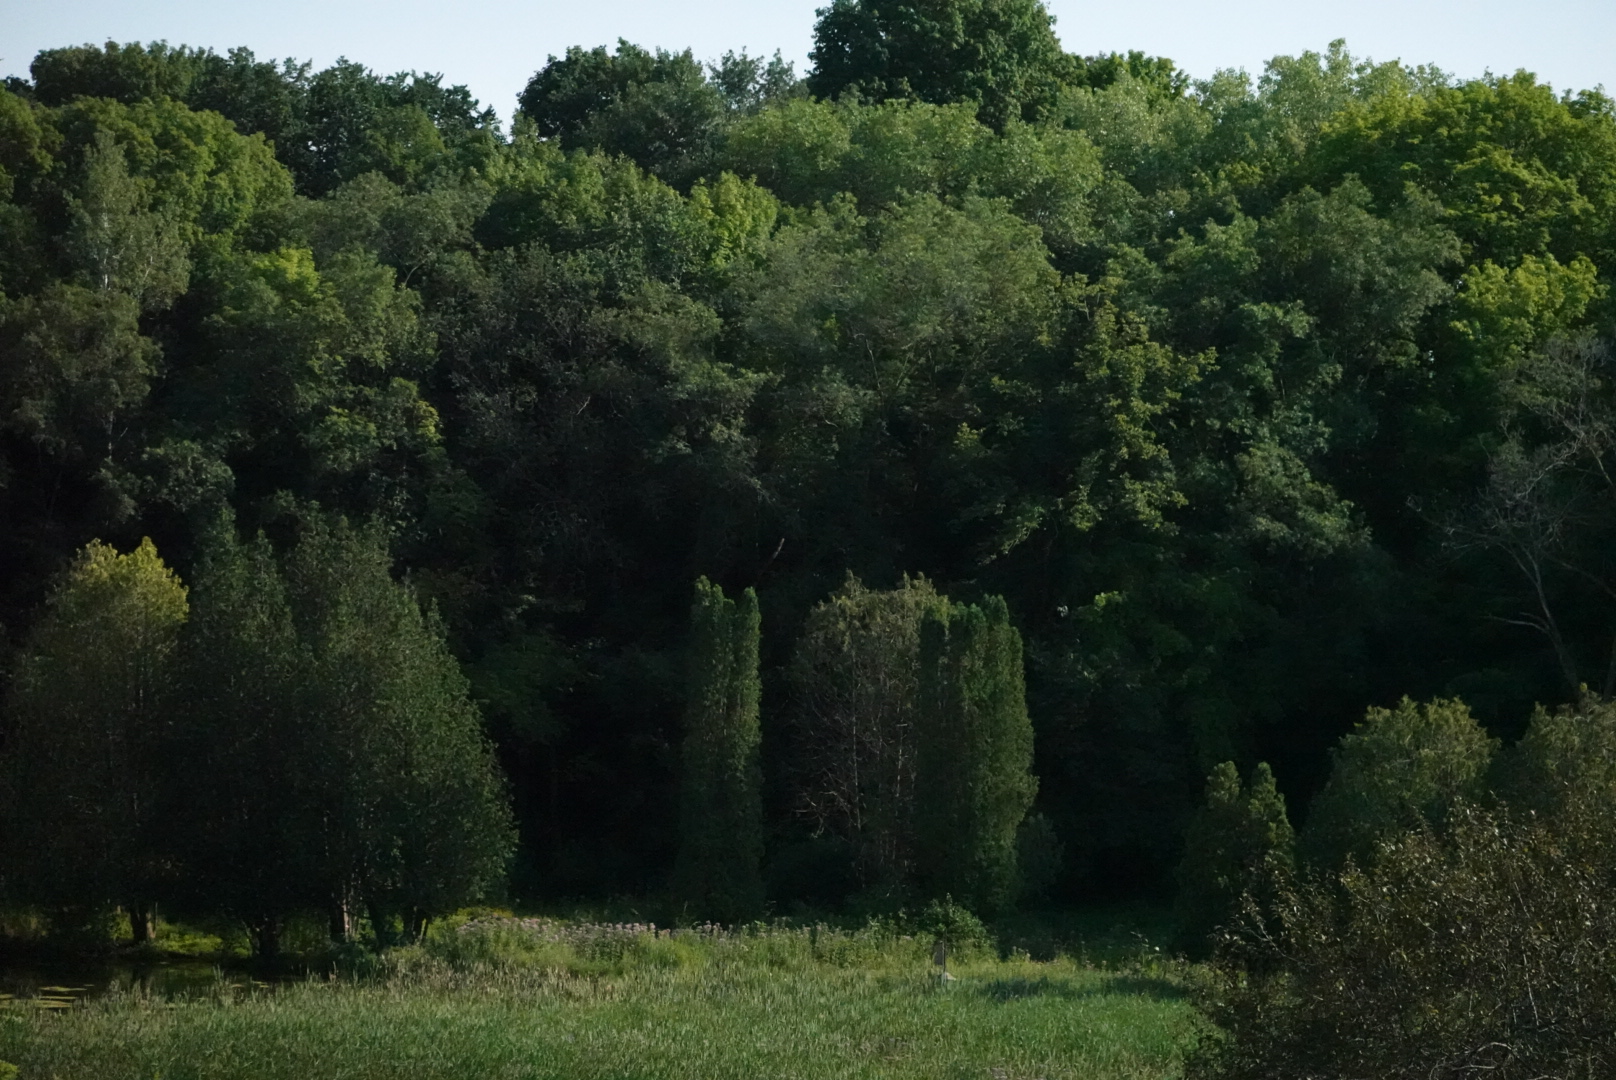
(141, 917)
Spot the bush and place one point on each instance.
(1240, 844)
(1484, 947)
(1566, 760)
(1398, 768)
(953, 924)
(1482, 944)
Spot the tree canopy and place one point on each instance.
(1260, 402)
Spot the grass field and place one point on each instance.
(525, 1004)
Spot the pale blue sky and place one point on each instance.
(494, 45)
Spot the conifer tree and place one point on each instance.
(416, 817)
(87, 739)
(975, 782)
(721, 810)
(246, 726)
(1240, 842)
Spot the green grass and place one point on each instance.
(635, 1005)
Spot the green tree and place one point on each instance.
(974, 781)
(88, 740)
(1002, 55)
(413, 808)
(720, 797)
(251, 742)
(855, 691)
(1239, 844)
(657, 108)
(1566, 762)
(1397, 769)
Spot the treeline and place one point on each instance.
(1258, 403)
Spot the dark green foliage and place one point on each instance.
(1398, 769)
(656, 108)
(1258, 402)
(327, 127)
(249, 743)
(1000, 55)
(720, 791)
(1240, 848)
(412, 809)
(1480, 947)
(1480, 941)
(855, 685)
(973, 781)
(89, 742)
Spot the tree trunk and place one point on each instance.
(266, 938)
(141, 917)
(341, 922)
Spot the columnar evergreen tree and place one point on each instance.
(1240, 842)
(975, 782)
(721, 810)
(247, 728)
(87, 740)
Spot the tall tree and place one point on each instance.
(721, 810)
(974, 784)
(1001, 54)
(88, 738)
(252, 742)
(855, 682)
(1241, 843)
(415, 815)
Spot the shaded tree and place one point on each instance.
(974, 781)
(720, 805)
(1001, 55)
(1397, 769)
(855, 682)
(89, 739)
(1238, 849)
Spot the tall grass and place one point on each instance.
(533, 1000)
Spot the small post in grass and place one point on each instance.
(939, 956)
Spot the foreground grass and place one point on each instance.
(697, 1013)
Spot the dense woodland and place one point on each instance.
(1236, 406)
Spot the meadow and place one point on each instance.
(539, 999)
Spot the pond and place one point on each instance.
(63, 986)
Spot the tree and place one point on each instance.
(1398, 768)
(974, 781)
(855, 681)
(1000, 54)
(1549, 506)
(721, 812)
(657, 108)
(89, 739)
(1240, 844)
(414, 813)
(1566, 763)
(252, 745)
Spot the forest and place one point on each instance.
(382, 464)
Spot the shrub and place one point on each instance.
(1240, 844)
(1398, 768)
(1480, 947)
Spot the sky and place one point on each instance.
(494, 46)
